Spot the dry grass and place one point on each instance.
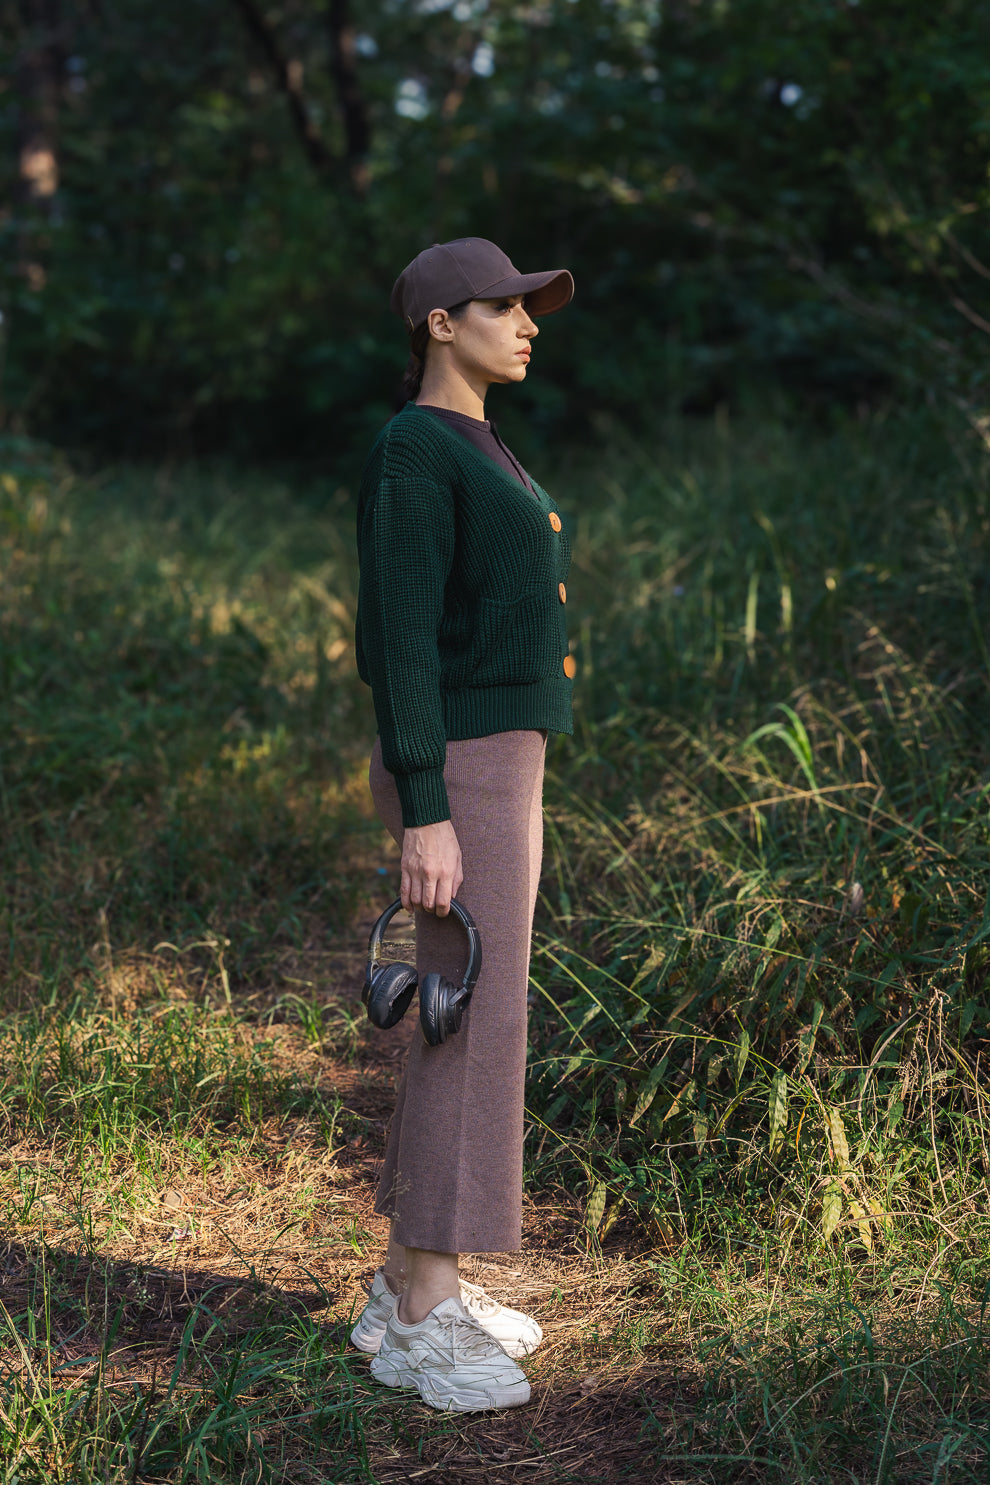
(274, 1221)
(139, 1271)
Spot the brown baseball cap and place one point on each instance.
(472, 268)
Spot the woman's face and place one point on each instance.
(490, 341)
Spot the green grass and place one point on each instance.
(758, 1095)
(181, 755)
(762, 1022)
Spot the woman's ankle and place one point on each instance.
(415, 1304)
(395, 1282)
(430, 1279)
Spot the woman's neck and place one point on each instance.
(451, 391)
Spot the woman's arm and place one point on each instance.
(431, 868)
(406, 546)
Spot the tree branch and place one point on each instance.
(288, 75)
(968, 258)
(353, 107)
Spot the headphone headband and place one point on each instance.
(462, 915)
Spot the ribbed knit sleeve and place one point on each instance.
(461, 628)
(406, 538)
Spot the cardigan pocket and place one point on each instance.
(507, 642)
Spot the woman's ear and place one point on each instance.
(439, 325)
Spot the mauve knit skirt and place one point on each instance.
(452, 1180)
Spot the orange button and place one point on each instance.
(570, 667)
(554, 520)
(563, 592)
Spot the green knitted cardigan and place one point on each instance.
(460, 627)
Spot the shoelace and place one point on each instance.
(466, 1339)
(477, 1301)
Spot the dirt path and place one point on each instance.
(278, 1220)
(600, 1376)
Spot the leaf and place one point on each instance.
(831, 1209)
(885, 1219)
(727, 1113)
(863, 1223)
(975, 959)
(752, 601)
(661, 1225)
(610, 1218)
(795, 737)
(778, 1110)
(648, 1090)
(683, 1100)
(595, 1209)
(700, 1126)
(840, 1145)
(895, 1109)
(806, 1041)
(742, 1054)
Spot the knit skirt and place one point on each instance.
(452, 1180)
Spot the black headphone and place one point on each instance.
(389, 989)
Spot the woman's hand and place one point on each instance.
(431, 868)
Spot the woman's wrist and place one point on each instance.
(423, 796)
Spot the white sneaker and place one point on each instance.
(367, 1333)
(453, 1363)
(516, 1333)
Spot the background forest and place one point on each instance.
(758, 1139)
(204, 204)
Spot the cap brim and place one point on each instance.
(545, 292)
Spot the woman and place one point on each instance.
(461, 637)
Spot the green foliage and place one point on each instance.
(266, 1394)
(113, 1083)
(179, 743)
(749, 193)
(766, 968)
(834, 1393)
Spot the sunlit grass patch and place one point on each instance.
(181, 753)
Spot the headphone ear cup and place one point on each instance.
(390, 995)
(441, 1006)
(431, 1009)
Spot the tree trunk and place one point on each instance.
(38, 82)
(288, 74)
(353, 107)
(39, 78)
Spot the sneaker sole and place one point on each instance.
(453, 1400)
